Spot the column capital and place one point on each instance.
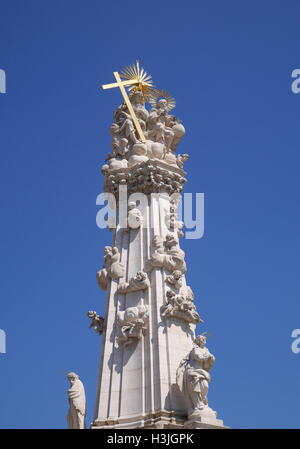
(152, 176)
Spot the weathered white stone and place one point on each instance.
(192, 378)
(113, 268)
(151, 316)
(133, 322)
(162, 130)
(138, 282)
(77, 403)
(181, 306)
(135, 217)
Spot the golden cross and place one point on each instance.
(121, 85)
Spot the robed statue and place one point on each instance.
(76, 396)
(193, 377)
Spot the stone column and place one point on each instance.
(150, 316)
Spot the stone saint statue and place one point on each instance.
(193, 377)
(76, 396)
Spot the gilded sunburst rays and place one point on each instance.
(145, 85)
(144, 81)
(157, 95)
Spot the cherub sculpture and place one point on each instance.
(138, 282)
(181, 306)
(167, 254)
(112, 268)
(175, 279)
(133, 322)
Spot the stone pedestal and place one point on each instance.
(204, 419)
(196, 424)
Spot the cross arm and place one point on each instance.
(124, 83)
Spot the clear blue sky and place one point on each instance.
(229, 66)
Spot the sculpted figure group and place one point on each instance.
(179, 301)
(167, 254)
(181, 306)
(162, 131)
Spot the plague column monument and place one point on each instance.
(154, 370)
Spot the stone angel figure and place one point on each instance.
(77, 403)
(193, 377)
